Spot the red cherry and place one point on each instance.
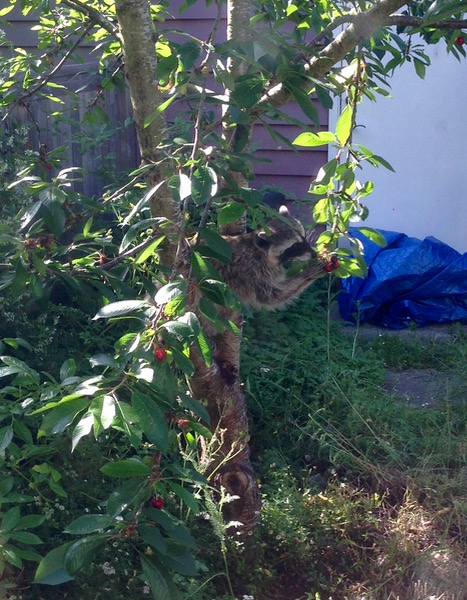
(460, 40)
(157, 503)
(160, 354)
(48, 166)
(329, 268)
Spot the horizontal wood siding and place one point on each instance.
(291, 170)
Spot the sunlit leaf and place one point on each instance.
(344, 125)
(120, 308)
(310, 139)
(373, 235)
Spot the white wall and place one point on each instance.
(422, 132)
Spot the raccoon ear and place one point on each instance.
(284, 211)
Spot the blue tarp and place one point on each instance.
(409, 281)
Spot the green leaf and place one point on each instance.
(61, 416)
(25, 537)
(442, 9)
(420, 68)
(160, 582)
(327, 172)
(324, 96)
(11, 519)
(4, 11)
(177, 531)
(159, 110)
(18, 366)
(170, 291)
(23, 432)
(202, 182)
(89, 524)
(51, 569)
(129, 467)
(152, 420)
(229, 213)
(179, 559)
(183, 362)
(186, 496)
(68, 369)
(306, 104)
(216, 242)
(311, 140)
(10, 555)
(153, 537)
(374, 235)
(81, 552)
(142, 203)
(204, 347)
(31, 521)
(202, 269)
(216, 291)
(181, 330)
(196, 407)
(6, 485)
(146, 253)
(6, 435)
(104, 410)
(54, 217)
(57, 488)
(247, 91)
(133, 231)
(104, 360)
(344, 125)
(83, 427)
(120, 308)
(28, 555)
(125, 495)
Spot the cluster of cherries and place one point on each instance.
(332, 265)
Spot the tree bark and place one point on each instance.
(219, 385)
(138, 39)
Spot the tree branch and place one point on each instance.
(361, 28)
(419, 22)
(94, 15)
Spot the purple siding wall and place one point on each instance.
(290, 170)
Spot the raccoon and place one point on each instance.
(257, 271)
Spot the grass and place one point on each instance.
(364, 496)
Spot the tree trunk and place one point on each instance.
(217, 386)
(138, 39)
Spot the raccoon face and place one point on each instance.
(285, 242)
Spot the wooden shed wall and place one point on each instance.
(290, 170)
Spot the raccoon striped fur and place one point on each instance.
(258, 270)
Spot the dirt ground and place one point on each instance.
(418, 387)
(440, 574)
